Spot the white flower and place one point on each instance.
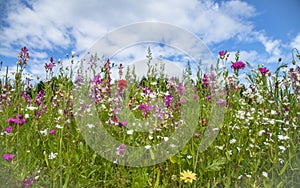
(130, 132)
(44, 132)
(90, 126)
(230, 152)
(58, 126)
(265, 174)
(166, 139)
(259, 99)
(248, 175)
(282, 148)
(148, 147)
(220, 147)
(31, 108)
(52, 155)
(189, 156)
(273, 112)
(240, 177)
(261, 132)
(26, 116)
(60, 111)
(150, 137)
(73, 53)
(232, 141)
(173, 145)
(281, 137)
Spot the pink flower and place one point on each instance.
(52, 131)
(238, 65)
(263, 71)
(222, 54)
(8, 129)
(8, 157)
(196, 135)
(29, 182)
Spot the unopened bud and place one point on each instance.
(294, 62)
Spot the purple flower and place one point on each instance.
(8, 129)
(195, 97)
(196, 135)
(238, 65)
(52, 131)
(182, 101)
(208, 97)
(180, 88)
(205, 81)
(29, 182)
(8, 157)
(121, 149)
(124, 123)
(263, 70)
(168, 100)
(222, 54)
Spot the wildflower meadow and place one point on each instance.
(45, 135)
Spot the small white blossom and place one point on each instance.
(150, 137)
(265, 174)
(189, 156)
(240, 177)
(26, 116)
(130, 132)
(60, 111)
(31, 108)
(52, 155)
(281, 137)
(166, 139)
(232, 141)
(90, 126)
(58, 126)
(44, 132)
(282, 148)
(220, 147)
(148, 147)
(261, 132)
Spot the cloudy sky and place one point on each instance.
(262, 30)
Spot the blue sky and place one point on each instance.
(262, 30)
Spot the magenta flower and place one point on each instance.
(168, 100)
(8, 129)
(205, 81)
(29, 182)
(52, 131)
(124, 123)
(238, 65)
(196, 135)
(222, 54)
(8, 157)
(263, 71)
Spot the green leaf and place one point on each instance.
(216, 164)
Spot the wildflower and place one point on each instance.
(187, 176)
(282, 148)
(220, 147)
(281, 137)
(238, 65)
(124, 123)
(8, 129)
(44, 132)
(265, 174)
(29, 182)
(264, 71)
(122, 84)
(58, 126)
(196, 135)
(121, 149)
(148, 147)
(52, 131)
(166, 139)
(205, 81)
(189, 156)
(130, 132)
(232, 141)
(8, 157)
(222, 54)
(90, 126)
(168, 100)
(52, 155)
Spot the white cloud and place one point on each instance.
(77, 24)
(296, 42)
